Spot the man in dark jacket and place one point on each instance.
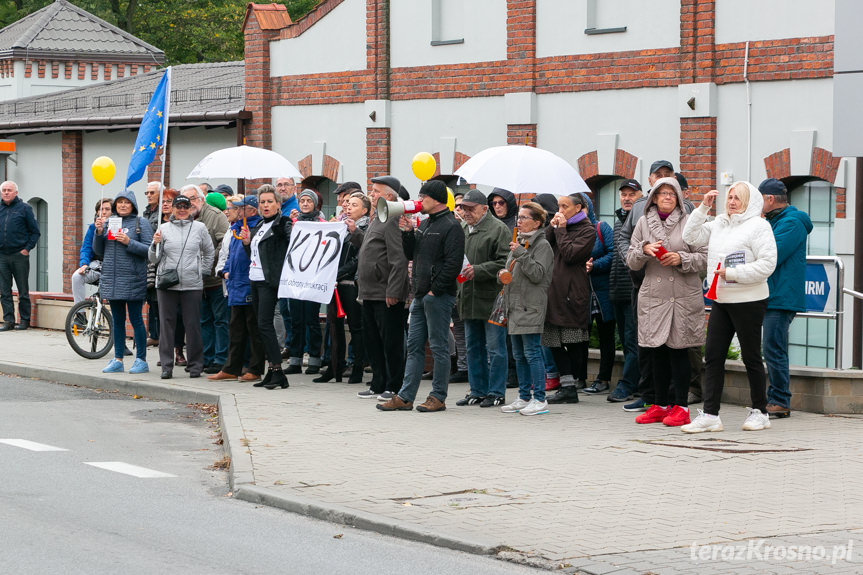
(382, 284)
(486, 248)
(214, 308)
(437, 251)
(153, 211)
(19, 233)
(621, 299)
(787, 295)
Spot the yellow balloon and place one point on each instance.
(450, 200)
(103, 169)
(423, 166)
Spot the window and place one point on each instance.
(40, 211)
(606, 200)
(447, 22)
(811, 340)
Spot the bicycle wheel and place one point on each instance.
(91, 337)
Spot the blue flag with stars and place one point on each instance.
(153, 132)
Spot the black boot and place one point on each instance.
(356, 374)
(23, 325)
(568, 394)
(7, 326)
(277, 379)
(326, 376)
(266, 380)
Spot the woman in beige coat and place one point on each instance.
(670, 303)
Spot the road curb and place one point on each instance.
(241, 476)
(361, 520)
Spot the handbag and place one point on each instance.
(170, 278)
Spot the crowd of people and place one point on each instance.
(497, 292)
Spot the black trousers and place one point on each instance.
(571, 359)
(354, 316)
(190, 303)
(384, 332)
(670, 365)
(15, 266)
(645, 358)
(726, 319)
(264, 298)
(305, 315)
(605, 331)
(243, 327)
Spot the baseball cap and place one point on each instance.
(181, 200)
(247, 201)
(475, 197)
(772, 187)
(630, 183)
(654, 167)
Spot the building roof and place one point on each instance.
(62, 31)
(201, 94)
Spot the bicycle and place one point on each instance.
(90, 328)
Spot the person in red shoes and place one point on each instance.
(670, 305)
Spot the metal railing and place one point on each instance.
(839, 313)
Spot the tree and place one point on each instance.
(187, 31)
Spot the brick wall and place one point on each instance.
(73, 197)
(698, 154)
(377, 153)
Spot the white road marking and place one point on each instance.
(129, 469)
(31, 445)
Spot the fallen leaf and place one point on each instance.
(339, 536)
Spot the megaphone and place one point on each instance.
(386, 210)
(711, 293)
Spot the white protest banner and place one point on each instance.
(310, 267)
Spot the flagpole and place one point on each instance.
(164, 153)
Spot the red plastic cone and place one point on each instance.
(711, 293)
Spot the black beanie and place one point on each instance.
(436, 190)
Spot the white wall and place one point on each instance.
(742, 20)
(778, 108)
(418, 126)
(336, 43)
(21, 87)
(296, 129)
(645, 119)
(483, 28)
(188, 147)
(560, 26)
(39, 174)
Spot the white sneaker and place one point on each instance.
(535, 407)
(515, 406)
(756, 421)
(704, 422)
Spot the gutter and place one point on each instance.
(121, 122)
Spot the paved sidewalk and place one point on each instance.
(583, 487)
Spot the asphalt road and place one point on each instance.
(60, 513)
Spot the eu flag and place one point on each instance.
(153, 132)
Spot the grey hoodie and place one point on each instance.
(186, 247)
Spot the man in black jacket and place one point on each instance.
(437, 251)
(19, 233)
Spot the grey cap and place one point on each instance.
(475, 197)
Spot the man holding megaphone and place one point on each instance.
(437, 251)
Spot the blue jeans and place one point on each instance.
(774, 344)
(430, 317)
(486, 357)
(529, 366)
(628, 335)
(136, 318)
(214, 326)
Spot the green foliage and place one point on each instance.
(188, 31)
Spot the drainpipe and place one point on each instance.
(748, 116)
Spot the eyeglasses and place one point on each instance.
(522, 218)
(149, 193)
(498, 202)
(667, 194)
(182, 207)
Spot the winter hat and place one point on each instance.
(217, 200)
(435, 189)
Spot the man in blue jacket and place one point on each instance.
(19, 233)
(787, 291)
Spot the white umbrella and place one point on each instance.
(523, 170)
(244, 162)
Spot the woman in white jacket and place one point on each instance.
(740, 244)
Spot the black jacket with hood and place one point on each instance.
(511, 206)
(437, 250)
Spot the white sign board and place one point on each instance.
(309, 271)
